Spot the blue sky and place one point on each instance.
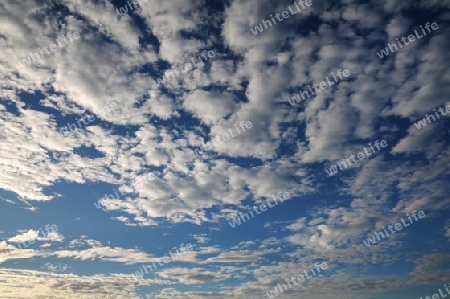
(124, 186)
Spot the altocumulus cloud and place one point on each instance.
(154, 130)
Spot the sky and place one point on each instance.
(222, 149)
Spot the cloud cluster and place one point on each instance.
(288, 148)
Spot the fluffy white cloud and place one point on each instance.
(250, 79)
